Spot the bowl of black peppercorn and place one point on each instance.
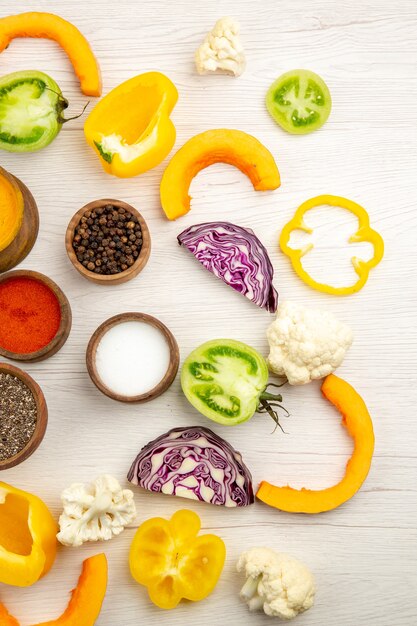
(108, 242)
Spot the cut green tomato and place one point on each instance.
(31, 105)
(299, 101)
(224, 380)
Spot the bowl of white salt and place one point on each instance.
(132, 357)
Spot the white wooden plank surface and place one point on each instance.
(363, 554)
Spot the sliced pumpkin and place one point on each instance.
(86, 599)
(51, 26)
(215, 146)
(5, 618)
(358, 423)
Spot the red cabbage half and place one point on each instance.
(235, 255)
(193, 463)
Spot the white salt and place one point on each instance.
(132, 358)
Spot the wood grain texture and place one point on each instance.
(363, 554)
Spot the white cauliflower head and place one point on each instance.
(221, 50)
(276, 583)
(95, 512)
(306, 343)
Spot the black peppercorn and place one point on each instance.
(107, 240)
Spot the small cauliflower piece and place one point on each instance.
(276, 583)
(306, 344)
(221, 51)
(95, 512)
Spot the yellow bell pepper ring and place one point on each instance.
(168, 558)
(130, 129)
(364, 234)
(27, 537)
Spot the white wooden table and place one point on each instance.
(363, 554)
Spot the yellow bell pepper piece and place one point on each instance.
(27, 537)
(130, 128)
(364, 233)
(168, 558)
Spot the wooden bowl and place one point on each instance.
(25, 239)
(170, 374)
(111, 279)
(61, 336)
(42, 416)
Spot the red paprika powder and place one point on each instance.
(30, 315)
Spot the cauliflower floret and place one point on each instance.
(95, 512)
(277, 583)
(221, 50)
(305, 343)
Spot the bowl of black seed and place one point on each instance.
(23, 416)
(108, 241)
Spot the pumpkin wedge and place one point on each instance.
(215, 146)
(358, 423)
(87, 598)
(51, 26)
(85, 604)
(5, 618)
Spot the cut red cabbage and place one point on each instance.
(193, 463)
(235, 255)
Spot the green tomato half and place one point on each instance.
(31, 105)
(224, 380)
(299, 101)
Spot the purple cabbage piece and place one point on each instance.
(235, 255)
(193, 463)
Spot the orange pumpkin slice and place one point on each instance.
(358, 423)
(5, 618)
(85, 605)
(50, 26)
(215, 146)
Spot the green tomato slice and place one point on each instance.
(31, 104)
(223, 379)
(299, 101)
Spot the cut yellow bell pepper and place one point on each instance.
(130, 128)
(364, 234)
(168, 558)
(27, 537)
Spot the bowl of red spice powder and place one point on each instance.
(35, 316)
